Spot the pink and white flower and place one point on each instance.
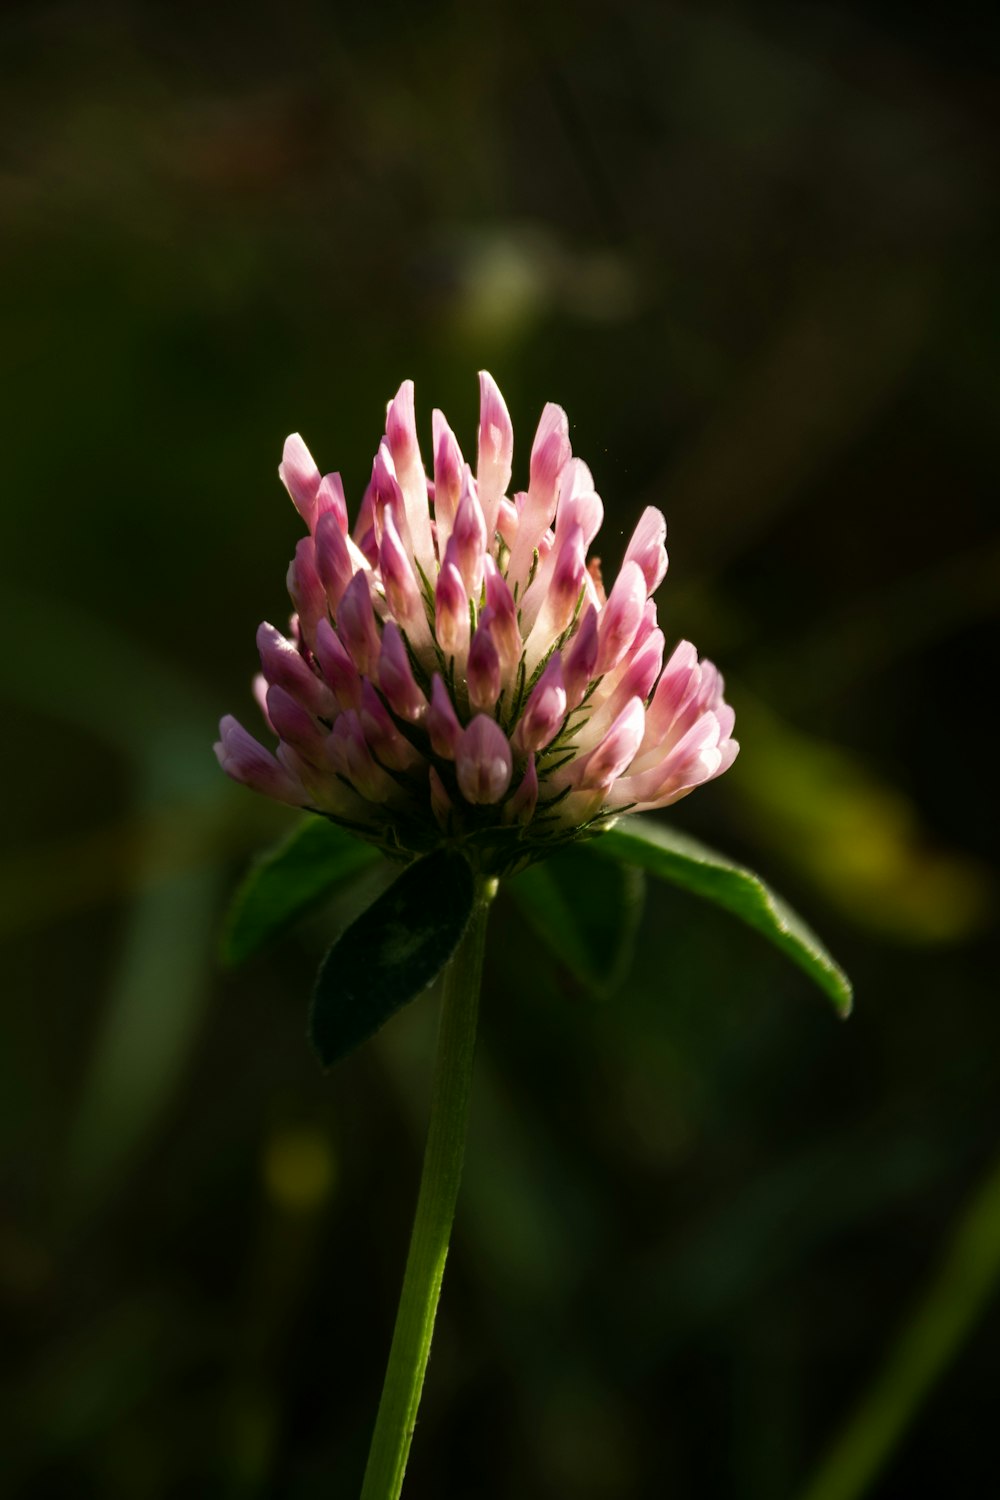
(453, 669)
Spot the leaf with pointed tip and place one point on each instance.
(391, 953)
(290, 879)
(685, 862)
(585, 912)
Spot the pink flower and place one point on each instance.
(453, 668)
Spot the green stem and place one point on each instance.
(442, 1172)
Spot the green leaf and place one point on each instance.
(391, 953)
(586, 913)
(284, 883)
(675, 857)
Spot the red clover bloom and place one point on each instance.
(454, 671)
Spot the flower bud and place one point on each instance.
(337, 667)
(356, 625)
(295, 725)
(330, 500)
(468, 538)
(442, 721)
(560, 601)
(242, 758)
(401, 436)
(646, 547)
(402, 590)
(352, 759)
(300, 476)
(306, 589)
(483, 762)
(390, 748)
(451, 612)
(621, 617)
(334, 562)
(581, 658)
(483, 670)
(495, 450)
(283, 664)
(504, 627)
(546, 708)
(396, 679)
(448, 470)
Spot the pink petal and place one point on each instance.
(467, 545)
(351, 758)
(364, 527)
(387, 493)
(621, 616)
(401, 435)
(246, 761)
(495, 451)
(549, 455)
(581, 658)
(283, 664)
(300, 476)
(696, 758)
(676, 686)
(507, 521)
(337, 666)
(634, 679)
(295, 725)
(306, 590)
(356, 625)
(546, 708)
(560, 601)
(505, 629)
(483, 761)
(646, 625)
(259, 689)
(390, 748)
(579, 504)
(578, 507)
(728, 749)
(333, 557)
(646, 547)
(330, 500)
(399, 580)
(615, 752)
(550, 452)
(396, 679)
(442, 722)
(483, 669)
(448, 469)
(401, 427)
(451, 612)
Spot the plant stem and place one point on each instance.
(442, 1172)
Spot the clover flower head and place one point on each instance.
(454, 671)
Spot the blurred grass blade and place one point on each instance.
(391, 953)
(154, 1009)
(685, 862)
(585, 913)
(110, 684)
(859, 840)
(290, 879)
(940, 1323)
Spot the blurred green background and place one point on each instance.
(711, 1242)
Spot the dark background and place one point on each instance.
(751, 249)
